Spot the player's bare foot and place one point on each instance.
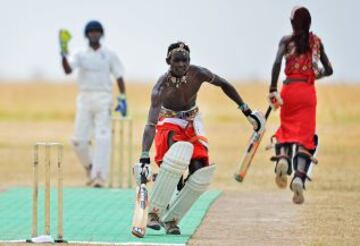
(297, 187)
(281, 173)
(153, 221)
(171, 228)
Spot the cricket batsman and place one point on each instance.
(95, 65)
(175, 123)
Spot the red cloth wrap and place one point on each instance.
(181, 134)
(298, 114)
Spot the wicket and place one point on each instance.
(119, 125)
(47, 166)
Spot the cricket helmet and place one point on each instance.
(93, 26)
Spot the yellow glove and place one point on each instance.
(64, 38)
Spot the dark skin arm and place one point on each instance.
(226, 87)
(66, 65)
(121, 85)
(275, 72)
(154, 111)
(328, 70)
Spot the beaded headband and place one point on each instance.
(180, 48)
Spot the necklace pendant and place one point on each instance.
(176, 82)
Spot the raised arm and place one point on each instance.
(277, 63)
(66, 65)
(327, 68)
(64, 39)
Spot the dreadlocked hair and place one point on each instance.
(301, 21)
(174, 46)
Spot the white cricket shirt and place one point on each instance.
(95, 69)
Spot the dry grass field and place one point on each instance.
(252, 213)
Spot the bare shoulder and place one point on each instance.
(203, 73)
(200, 70)
(157, 88)
(285, 40)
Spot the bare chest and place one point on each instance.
(182, 96)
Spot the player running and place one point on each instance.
(175, 123)
(303, 51)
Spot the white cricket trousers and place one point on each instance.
(93, 120)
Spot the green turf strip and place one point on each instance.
(91, 215)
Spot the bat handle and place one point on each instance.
(143, 179)
(268, 112)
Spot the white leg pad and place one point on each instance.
(176, 161)
(194, 187)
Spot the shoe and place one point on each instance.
(281, 173)
(153, 221)
(98, 183)
(138, 232)
(297, 186)
(171, 228)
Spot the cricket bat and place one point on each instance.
(141, 209)
(249, 153)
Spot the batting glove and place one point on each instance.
(64, 38)
(257, 120)
(140, 169)
(121, 105)
(143, 168)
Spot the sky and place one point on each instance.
(233, 38)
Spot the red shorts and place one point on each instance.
(181, 134)
(298, 114)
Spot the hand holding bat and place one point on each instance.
(141, 207)
(250, 151)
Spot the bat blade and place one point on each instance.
(248, 156)
(141, 211)
(250, 151)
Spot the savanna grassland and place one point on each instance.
(255, 212)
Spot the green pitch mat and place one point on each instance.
(93, 216)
